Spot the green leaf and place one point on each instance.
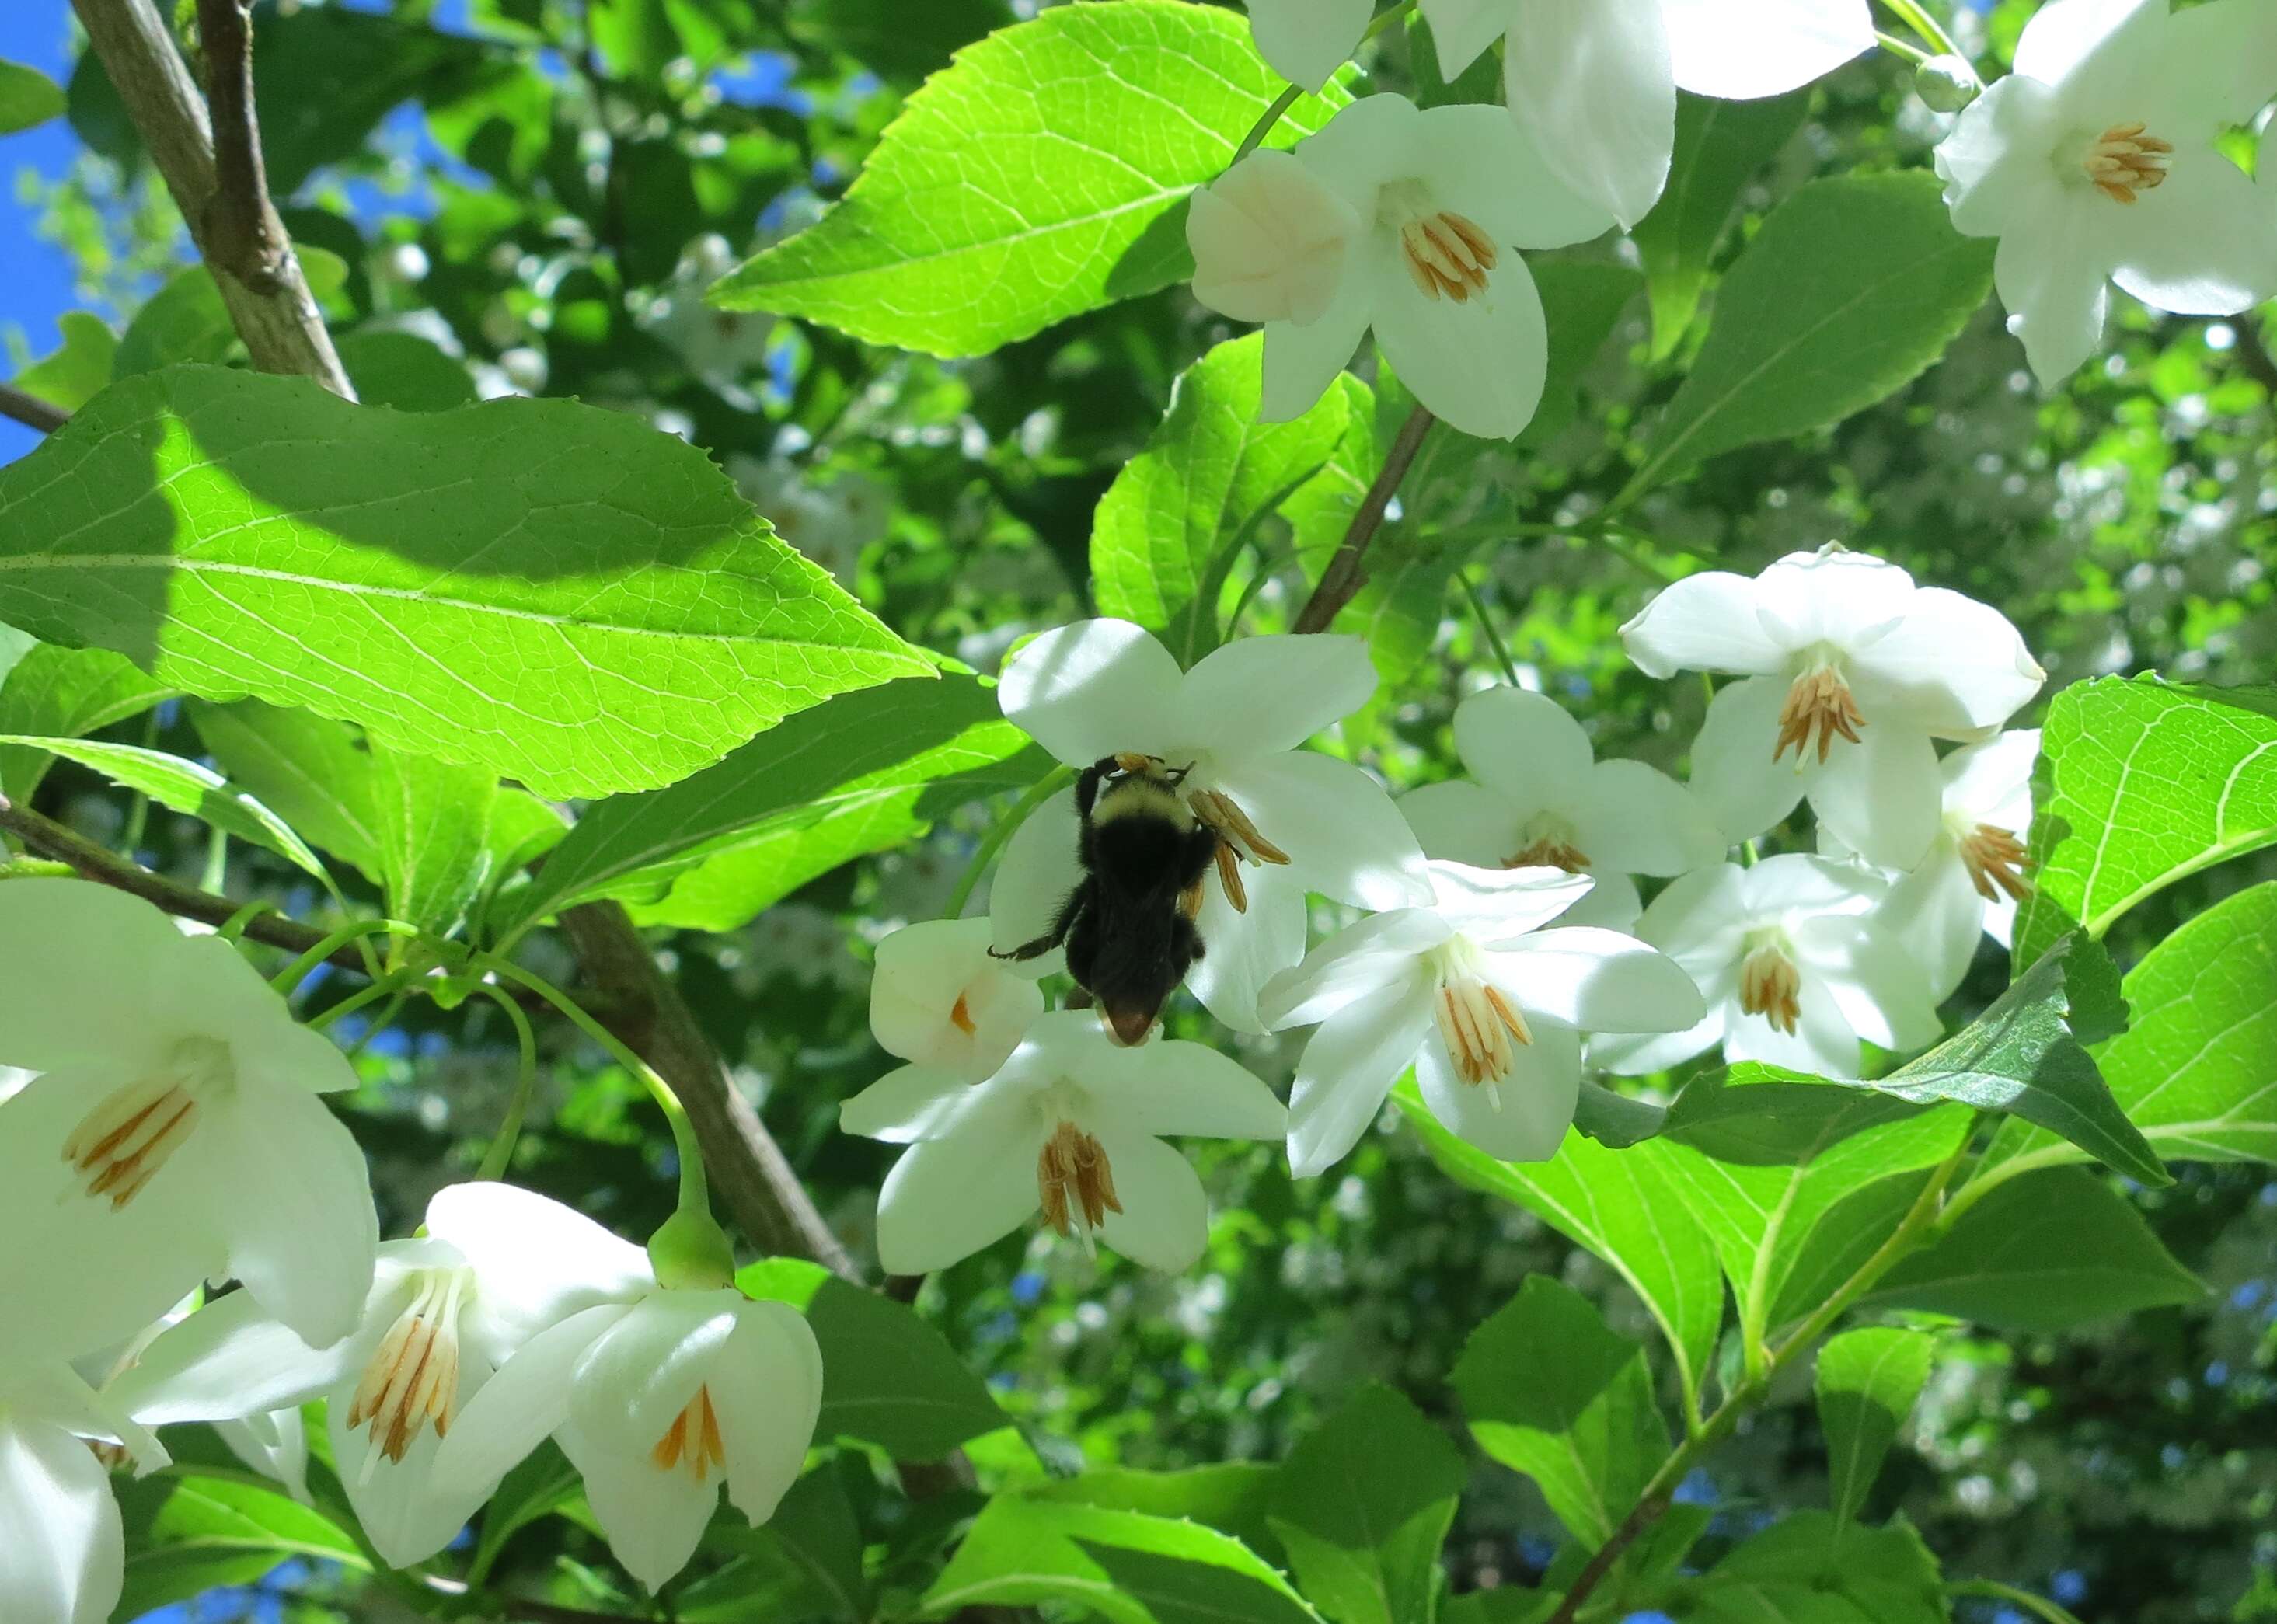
(892, 39)
(1720, 146)
(2196, 1070)
(2141, 783)
(1619, 1204)
(1580, 301)
(1868, 1380)
(1363, 1503)
(1764, 1115)
(185, 787)
(1168, 530)
(1233, 1497)
(856, 773)
(159, 1578)
(1508, 1604)
(805, 1563)
(218, 1514)
(404, 372)
(184, 321)
(557, 594)
(1095, 122)
(2045, 1251)
(539, 1486)
(1125, 1566)
(2025, 1056)
(1810, 1569)
(80, 365)
(889, 1377)
(26, 97)
(1853, 285)
(1549, 1391)
(64, 693)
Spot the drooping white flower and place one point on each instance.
(1233, 723)
(1594, 82)
(1488, 1007)
(1795, 966)
(62, 1553)
(497, 1266)
(1538, 795)
(657, 1403)
(1071, 1126)
(176, 1131)
(1852, 668)
(1972, 880)
(940, 998)
(1406, 221)
(1306, 40)
(2095, 162)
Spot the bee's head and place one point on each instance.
(1143, 785)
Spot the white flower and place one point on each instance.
(1594, 82)
(1974, 876)
(1488, 1007)
(1541, 796)
(1406, 221)
(62, 1553)
(498, 1265)
(1103, 687)
(1796, 966)
(1071, 1126)
(940, 999)
(1851, 667)
(176, 1131)
(1306, 40)
(2096, 160)
(657, 1403)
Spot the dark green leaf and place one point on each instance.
(1233, 1496)
(404, 372)
(1811, 1570)
(64, 693)
(894, 40)
(1580, 301)
(538, 1487)
(1868, 1380)
(805, 1563)
(183, 321)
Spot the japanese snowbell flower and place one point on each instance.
(1306, 40)
(2095, 162)
(940, 998)
(658, 1403)
(1796, 966)
(1406, 221)
(1299, 821)
(1594, 82)
(1537, 795)
(1850, 666)
(63, 1554)
(1488, 1007)
(1069, 1126)
(1972, 880)
(177, 1130)
(498, 1265)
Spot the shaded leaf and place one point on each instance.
(1363, 1503)
(1868, 1380)
(81, 364)
(64, 693)
(1810, 1569)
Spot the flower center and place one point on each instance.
(960, 1016)
(1771, 986)
(692, 1441)
(1549, 845)
(1072, 1177)
(1483, 1030)
(1448, 255)
(120, 1145)
(1820, 702)
(1995, 860)
(2123, 161)
(413, 1376)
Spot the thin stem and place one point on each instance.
(2039, 1606)
(138, 804)
(500, 1154)
(1917, 17)
(216, 868)
(286, 979)
(234, 926)
(386, 987)
(1487, 628)
(1897, 47)
(1049, 785)
(1340, 581)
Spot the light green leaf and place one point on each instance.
(64, 693)
(1168, 530)
(1811, 1570)
(888, 1377)
(1233, 1496)
(1506, 1604)
(1720, 146)
(185, 787)
(1549, 1391)
(1619, 1204)
(857, 774)
(220, 1513)
(1853, 285)
(1868, 1380)
(80, 365)
(1363, 1503)
(2045, 1251)
(557, 594)
(2141, 783)
(26, 97)
(1125, 1566)
(1040, 176)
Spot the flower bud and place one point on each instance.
(1947, 83)
(692, 1253)
(940, 999)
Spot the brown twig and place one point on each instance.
(1340, 581)
(283, 330)
(243, 234)
(30, 410)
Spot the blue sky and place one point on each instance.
(35, 277)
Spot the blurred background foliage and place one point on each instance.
(531, 195)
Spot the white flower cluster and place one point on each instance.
(1503, 951)
(2094, 161)
(174, 1131)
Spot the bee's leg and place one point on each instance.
(1087, 782)
(1185, 945)
(1069, 911)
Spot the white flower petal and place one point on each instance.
(2202, 244)
(1244, 951)
(939, 999)
(273, 1151)
(768, 1394)
(1092, 689)
(1371, 140)
(1936, 912)
(1744, 791)
(1491, 906)
(640, 1374)
(1343, 836)
(1349, 1067)
(537, 1262)
(1704, 622)
(1701, 918)
(1637, 820)
(394, 1500)
(1763, 47)
(1190, 1088)
(1879, 986)
(2065, 37)
(1994, 162)
(230, 1359)
(1462, 29)
(1592, 81)
(1301, 362)
(2051, 271)
(1480, 163)
(652, 1519)
(1462, 822)
(1354, 963)
(2212, 67)
(1525, 747)
(1306, 40)
(1831, 595)
(208, 988)
(526, 1400)
(1610, 904)
(1271, 241)
(1992, 782)
(1261, 696)
(55, 1011)
(948, 1197)
(1596, 980)
(1480, 364)
(1164, 1222)
(1793, 883)
(63, 1559)
(1879, 796)
(275, 1445)
(1633, 1054)
(919, 1103)
(1950, 667)
(1524, 1116)
(1034, 877)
